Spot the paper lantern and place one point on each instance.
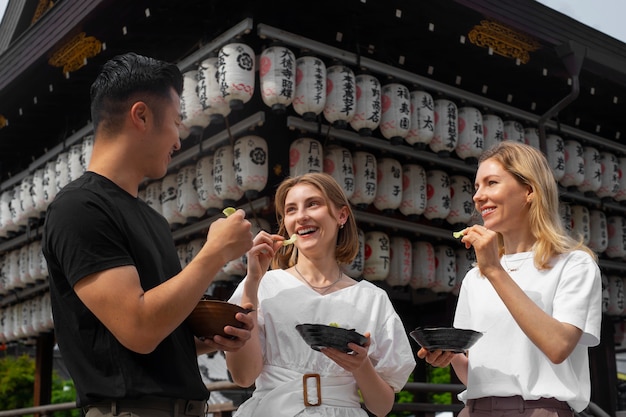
(153, 196)
(574, 168)
(395, 120)
(22, 264)
(598, 231)
(610, 175)
(17, 208)
(49, 181)
(35, 261)
(377, 256)
(8, 226)
(465, 261)
(401, 261)
(414, 184)
(437, 195)
(340, 104)
(605, 293)
(310, 96)
(565, 212)
(224, 180)
(388, 185)
(207, 197)
(305, 155)
(74, 161)
(531, 137)
(461, 200)
(446, 127)
(236, 74)
(209, 92)
(513, 131)
(191, 110)
(169, 201)
(493, 130)
(620, 195)
(445, 269)
(86, 151)
(365, 179)
(555, 154)
(187, 195)
(616, 296)
(580, 222)
(423, 275)
(62, 170)
(616, 227)
(355, 268)
(277, 76)
(470, 144)
(367, 115)
(27, 198)
(39, 196)
(338, 163)
(592, 170)
(250, 164)
(422, 119)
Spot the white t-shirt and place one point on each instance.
(504, 362)
(284, 302)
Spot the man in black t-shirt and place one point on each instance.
(119, 296)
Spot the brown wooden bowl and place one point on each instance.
(210, 317)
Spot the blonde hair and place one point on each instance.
(530, 167)
(347, 237)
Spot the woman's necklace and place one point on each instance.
(516, 268)
(324, 289)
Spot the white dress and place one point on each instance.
(284, 302)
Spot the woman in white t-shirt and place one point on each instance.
(307, 285)
(535, 294)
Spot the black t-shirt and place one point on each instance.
(93, 225)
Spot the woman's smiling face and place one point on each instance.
(500, 198)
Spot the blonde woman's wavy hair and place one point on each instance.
(347, 237)
(530, 167)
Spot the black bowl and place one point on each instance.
(445, 338)
(319, 335)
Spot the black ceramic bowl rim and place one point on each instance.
(349, 335)
(466, 338)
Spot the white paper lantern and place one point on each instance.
(14, 270)
(310, 97)
(22, 264)
(17, 208)
(555, 154)
(236, 74)
(598, 231)
(388, 185)
(338, 163)
(445, 269)
(377, 256)
(224, 180)
(424, 265)
(277, 76)
(493, 130)
(414, 184)
(340, 104)
(169, 201)
(193, 115)
(531, 137)
(446, 127)
(574, 174)
(461, 200)
(209, 92)
(610, 175)
(620, 195)
(27, 197)
(616, 227)
(35, 256)
(305, 155)
(153, 196)
(365, 179)
(401, 262)
(86, 151)
(39, 196)
(513, 131)
(437, 194)
(8, 225)
(251, 170)
(74, 161)
(355, 268)
(422, 119)
(205, 186)
(465, 261)
(187, 196)
(367, 115)
(593, 170)
(616, 296)
(565, 212)
(47, 311)
(606, 297)
(49, 181)
(62, 170)
(580, 222)
(396, 113)
(470, 144)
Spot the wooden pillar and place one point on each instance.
(43, 370)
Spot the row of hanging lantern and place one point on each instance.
(212, 182)
(26, 319)
(29, 198)
(22, 267)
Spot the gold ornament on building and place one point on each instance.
(3, 122)
(42, 7)
(503, 40)
(73, 55)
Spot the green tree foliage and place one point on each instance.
(439, 376)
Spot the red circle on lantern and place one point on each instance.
(461, 124)
(367, 251)
(265, 66)
(406, 182)
(385, 103)
(430, 191)
(299, 76)
(294, 157)
(329, 166)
